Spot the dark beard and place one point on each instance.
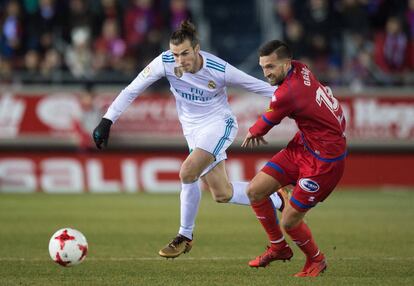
(280, 82)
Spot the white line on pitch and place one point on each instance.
(12, 259)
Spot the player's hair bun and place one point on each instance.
(186, 31)
(188, 27)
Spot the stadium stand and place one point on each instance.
(347, 42)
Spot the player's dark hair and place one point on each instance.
(278, 47)
(186, 31)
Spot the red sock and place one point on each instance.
(266, 214)
(302, 236)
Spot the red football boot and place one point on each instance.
(271, 255)
(313, 268)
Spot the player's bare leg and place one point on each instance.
(259, 190)
(218, 183)
(190, 197)
(215, 181)
(224, 191)
(300, 233)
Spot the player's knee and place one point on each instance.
(253, 195)
(188, 173)
(188, 177)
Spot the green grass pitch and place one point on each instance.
(368, 238)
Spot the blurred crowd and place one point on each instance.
(348, 42)
(352, 42)
(84, 37)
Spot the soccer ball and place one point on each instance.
(68, 247)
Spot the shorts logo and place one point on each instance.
(309, 185)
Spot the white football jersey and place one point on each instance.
(201, 97)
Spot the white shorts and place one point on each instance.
(214, 138)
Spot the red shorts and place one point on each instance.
(314, 178)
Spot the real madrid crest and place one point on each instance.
(178, 72)
(211, 84)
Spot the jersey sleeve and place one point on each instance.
(282, 105)
(238, 78)
(153, 72)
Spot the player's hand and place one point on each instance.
(252, 141)
(101, 133)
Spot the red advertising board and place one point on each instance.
(54, 172)
(371, 120)
(37, 115)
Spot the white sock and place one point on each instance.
(190, 197)
(277, 202)
(239, 194)
(240, 197)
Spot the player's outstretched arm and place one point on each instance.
(253, 141)
(101, 133)
(153, 72)
(237, 78)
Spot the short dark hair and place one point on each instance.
(278, 47)
(186, 31)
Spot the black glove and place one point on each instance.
(101, 133)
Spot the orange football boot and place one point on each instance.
(271, 255)
(313, 268)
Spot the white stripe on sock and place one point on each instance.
(316, 254)
(306, 242)
(278, 241)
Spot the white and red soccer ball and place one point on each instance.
(68, 247)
